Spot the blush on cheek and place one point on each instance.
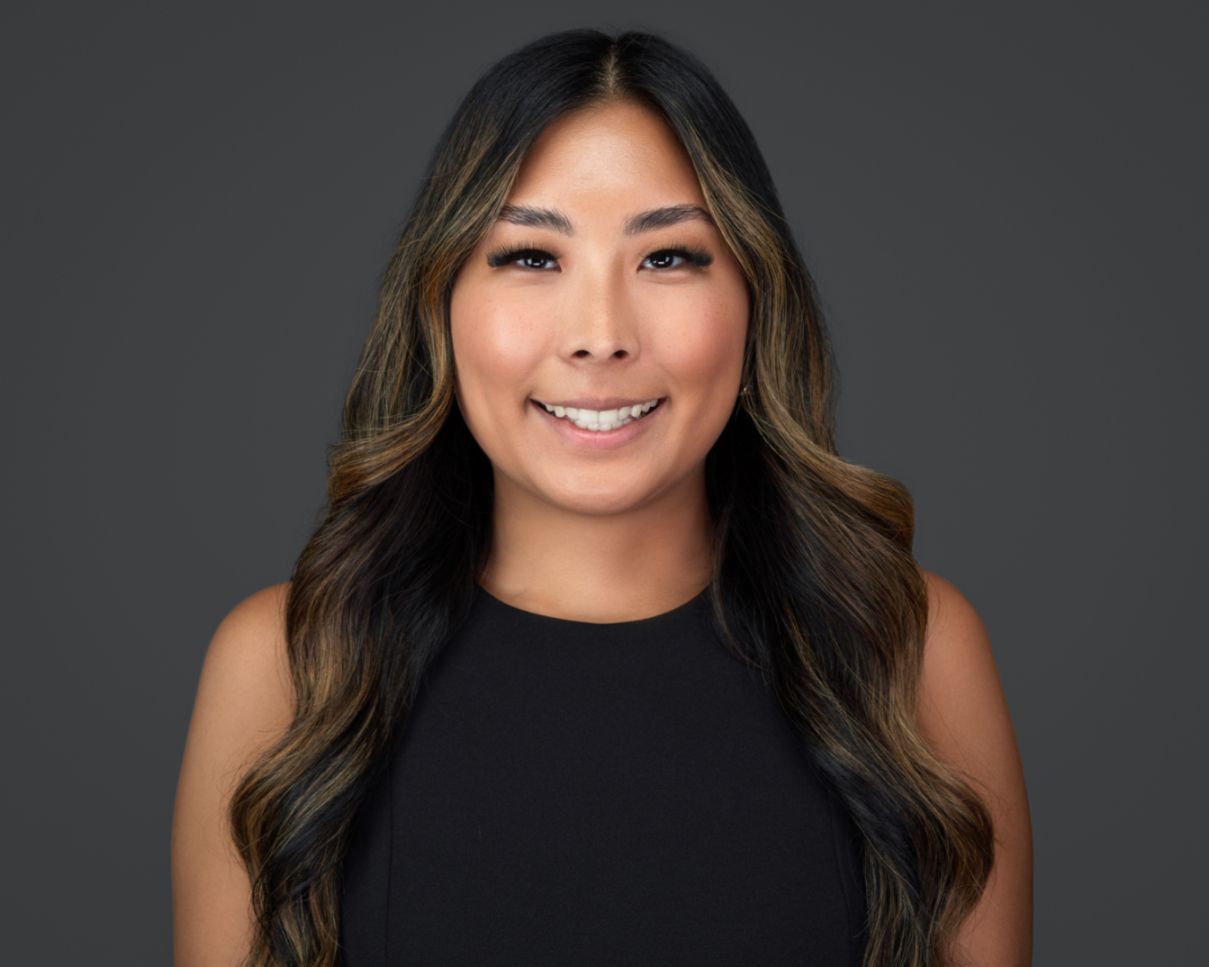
(498, 362)
(708, 353)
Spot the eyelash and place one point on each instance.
(696, 257)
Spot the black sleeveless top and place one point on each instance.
(574, 793)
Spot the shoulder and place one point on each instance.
(957, 647)
(964, 717)
(243, 703)
(247, 651)
(962, 707)
(246, 667)
(260, 611)
(245, 694)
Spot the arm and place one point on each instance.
(244, 702)
(964, 718)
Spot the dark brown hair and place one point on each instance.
(814, 580)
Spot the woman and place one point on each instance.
(602, 653)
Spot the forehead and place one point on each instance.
(619, 147)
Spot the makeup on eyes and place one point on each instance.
(692, 256)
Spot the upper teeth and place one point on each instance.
(600, 419)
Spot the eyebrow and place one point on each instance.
(533, 216)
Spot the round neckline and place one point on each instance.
(554, 621)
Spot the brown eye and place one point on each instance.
(695, 257)
(508, 256)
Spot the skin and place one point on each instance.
(963, 715)
(593, 536)
(244, 702)
(600, 535)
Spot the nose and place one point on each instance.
(600, 318)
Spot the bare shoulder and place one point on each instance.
(964, 717)
(962, 706)
(246, 659)
(244, 702)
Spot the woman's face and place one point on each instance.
(600, 307)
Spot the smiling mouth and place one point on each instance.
(600, 421)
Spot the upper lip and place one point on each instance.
(599, 402)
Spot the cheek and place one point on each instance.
(701, 342)
(496, 347)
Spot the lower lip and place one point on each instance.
(600, 439)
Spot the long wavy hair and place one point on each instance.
(813, 580)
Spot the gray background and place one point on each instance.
(1004, 207)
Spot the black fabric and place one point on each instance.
(572, 793)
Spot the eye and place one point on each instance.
(663, 258)
(693, 256)
(506, 256)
